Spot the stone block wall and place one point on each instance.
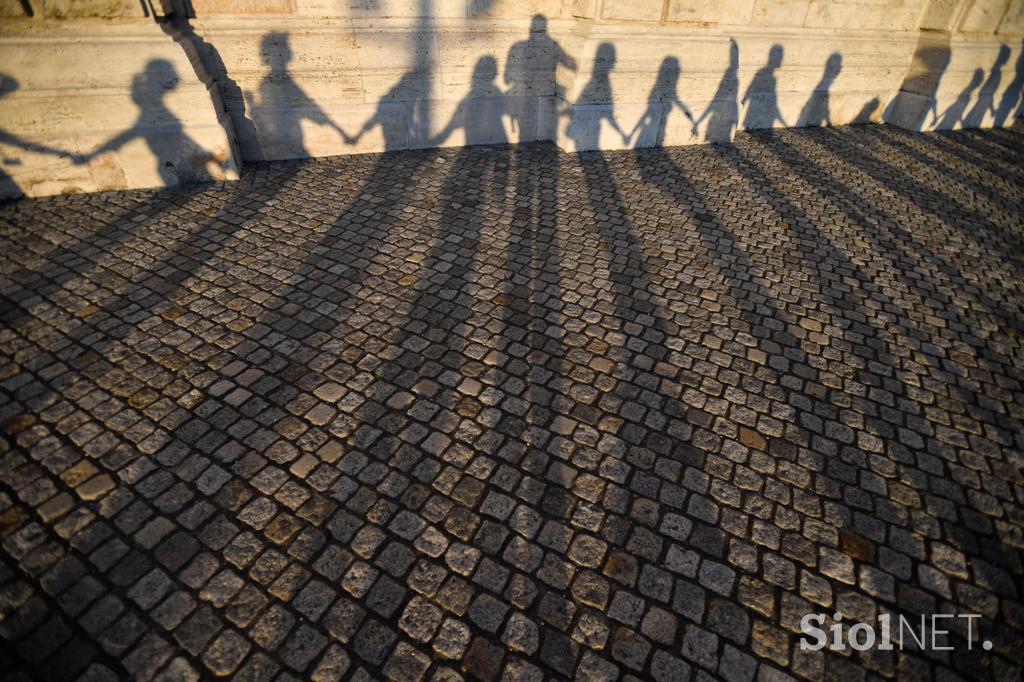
(107, 101)
(190, 89)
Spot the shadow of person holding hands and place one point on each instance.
(283, 105)
(723, 113)
(8, 186)
(180, 159)
(1007, 109)
(987, 95)
(649, 131)
(595, 104)
(867, 112)
(954, 113)
(397, 111)
(480, 113)
(530, 74)
(763, 110)
(816, 111)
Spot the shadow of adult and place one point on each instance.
(985, 103)
(1008, 109)
(723, 113)
(910, 107)
(283, 105)
(480, 114)
(649, 131)
(533, 89)
(396, 112)
(179, 159)
(595, 104)
(954, 113)
(816, 111)
(761, 98)
(9, 188)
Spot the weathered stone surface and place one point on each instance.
(237, 80)
(145, 118)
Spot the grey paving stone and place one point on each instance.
(509, 413)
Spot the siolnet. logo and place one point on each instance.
(891, 632)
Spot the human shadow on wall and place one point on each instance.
(436, 330)
(339, 258)
(595, 104)
(396, 113)
(531, 74)
(480, 114)
(635, 311)
(283, 105)
(649, 130)
(910, 106)
(867, 112)
(954, 113)
(180, 159)
(384, 185)
(1008, 108)
(869, 336)
(644, 375)
(922, 196)
(761, 97)
(985, 104)
(723, 113)
(9, 188)
(344, 251)
(815, 112)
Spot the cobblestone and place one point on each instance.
(507, 413)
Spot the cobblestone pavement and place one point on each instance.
(507, 413)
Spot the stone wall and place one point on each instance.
(105, 99)
(298, 78)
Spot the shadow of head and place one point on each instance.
(979, 75)
(158, 77)
(8, 84)
(1002, 57)
(485, 71)
(480, 6)
(539, 24)
(668, 73)
(867, 112)
(604, 60)
(833, 66)
(275, 51)
(775, 56)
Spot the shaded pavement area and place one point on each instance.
(508, 413)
